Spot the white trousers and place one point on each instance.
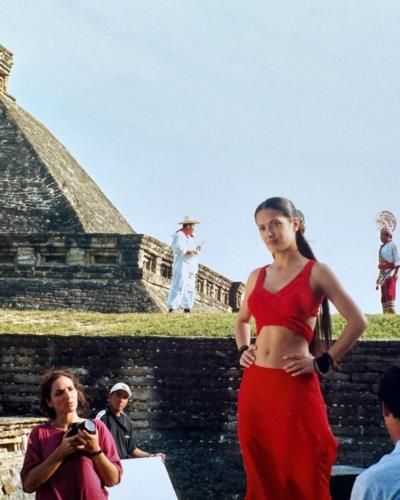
(183, 290)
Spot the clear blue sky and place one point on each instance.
(205, 108)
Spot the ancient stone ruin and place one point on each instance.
(62, 242)
(13, 439)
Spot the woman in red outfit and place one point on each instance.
(287, 446)
(61, 467)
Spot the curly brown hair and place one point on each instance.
(46, 382)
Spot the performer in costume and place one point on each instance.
(287, 446)
(186, 262)
(389, 264)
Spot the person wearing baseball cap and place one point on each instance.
(186, 262)
(120, 425)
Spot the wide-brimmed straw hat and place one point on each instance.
(189, 220)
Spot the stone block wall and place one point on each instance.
(6, 62)
(23, 172)
(99, 272)
(43, 188)
(184, 400)
(13, 439)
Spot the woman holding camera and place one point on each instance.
(68, 457)
(287, 446)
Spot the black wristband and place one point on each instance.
(324, 362)
(242, 349)
(94, 453)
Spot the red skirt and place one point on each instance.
(287, 445)
(388, 289)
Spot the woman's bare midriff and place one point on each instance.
(275, 342)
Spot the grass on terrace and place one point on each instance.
(177, 324)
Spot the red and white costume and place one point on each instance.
(387, 279)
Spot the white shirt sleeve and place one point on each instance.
(179, 244)
(389, 252)
(395, 256)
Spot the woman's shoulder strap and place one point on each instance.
(311, 263)
(261, 274)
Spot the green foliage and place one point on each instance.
(92, 323)
(383, 327)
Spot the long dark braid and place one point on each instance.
(323, 327)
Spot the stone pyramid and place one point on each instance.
(43, 189)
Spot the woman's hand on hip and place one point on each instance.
(299, 364)
(248, 357)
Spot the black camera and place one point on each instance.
(84, 425)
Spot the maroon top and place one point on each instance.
(290, 306)
(76, 478)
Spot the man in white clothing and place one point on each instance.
(381, 481)
(186, 263)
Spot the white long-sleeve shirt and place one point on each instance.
(181, 244)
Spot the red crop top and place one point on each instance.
(289, 307)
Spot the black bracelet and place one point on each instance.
(323, 363)
(94, 453)
(241, 350)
